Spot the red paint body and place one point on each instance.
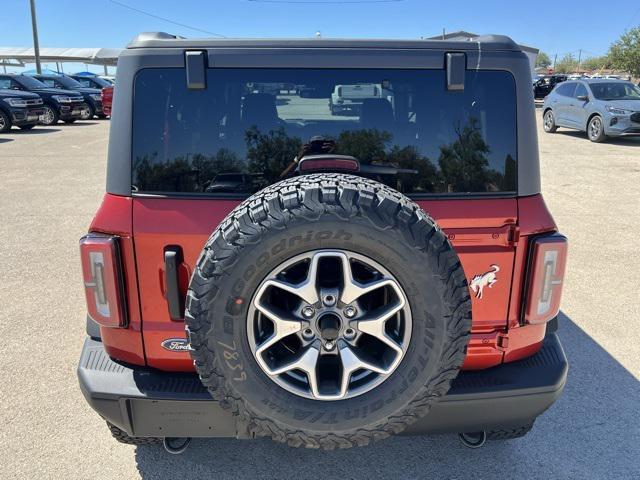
(483, 232)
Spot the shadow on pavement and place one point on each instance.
(80, 123)
(35, 131)
(623, 141)
(5, 140)
(591, 432)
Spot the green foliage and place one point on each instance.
(543, 60)
(367, 145)
(625, 53)
(567, 64)
(270, 153)
(191, 174)
(596, 63)
(464, 164)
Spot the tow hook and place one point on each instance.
(473, 439)
(176, 445)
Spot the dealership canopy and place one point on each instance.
(18, 56)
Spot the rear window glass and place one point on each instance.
(242, 132)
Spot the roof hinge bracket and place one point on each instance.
(456, 65)
(196, 66)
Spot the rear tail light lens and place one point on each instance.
(103, 281)
(546, 276)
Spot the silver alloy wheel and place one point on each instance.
(48, 116)
(548, 121)
(595, 128)
(354, 339)
(2, 123)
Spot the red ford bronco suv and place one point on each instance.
(262, 267)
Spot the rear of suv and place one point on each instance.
(261, 267)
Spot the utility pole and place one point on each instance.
(579, 58)
(34, 27)
(555, 57)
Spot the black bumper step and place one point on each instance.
(148, 402)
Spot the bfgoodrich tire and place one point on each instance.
(328, 213)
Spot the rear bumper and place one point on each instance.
(149, 403)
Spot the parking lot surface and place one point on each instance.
(52, 180)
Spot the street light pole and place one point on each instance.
(34, 27)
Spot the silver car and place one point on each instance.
(601, 107)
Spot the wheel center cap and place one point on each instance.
(329, 326)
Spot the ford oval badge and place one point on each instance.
(176, 344)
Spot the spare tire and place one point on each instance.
(327, 311)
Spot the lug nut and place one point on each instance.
(350, 311)
(329, 300)
(308, 312)
(307, 333)
(349, 333)
(329, 345)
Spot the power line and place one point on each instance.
(165, 19)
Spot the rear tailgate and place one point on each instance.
(482, 232)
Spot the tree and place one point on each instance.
(596, 63)
(464, 163)
(269, 154)
(543, 60)
(625, 53)
(567, 64)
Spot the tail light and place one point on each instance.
(546, 275)
(103, 281)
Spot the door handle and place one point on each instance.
(175, 301)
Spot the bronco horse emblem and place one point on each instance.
(478, 282)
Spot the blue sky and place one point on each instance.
(554, 27)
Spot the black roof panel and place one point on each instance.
(165, 40)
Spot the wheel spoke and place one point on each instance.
(352, 363)
(352, 289)
(306, 363)
(283, 325)
(374, 323)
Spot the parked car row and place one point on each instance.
(29, 100)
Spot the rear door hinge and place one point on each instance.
(513, 235)
(502, 341)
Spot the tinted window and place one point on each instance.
(67, 82)
(581, 90)
(242, 132)
(615, 91)
(5, 83)
(29, 82)
(566, 89)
